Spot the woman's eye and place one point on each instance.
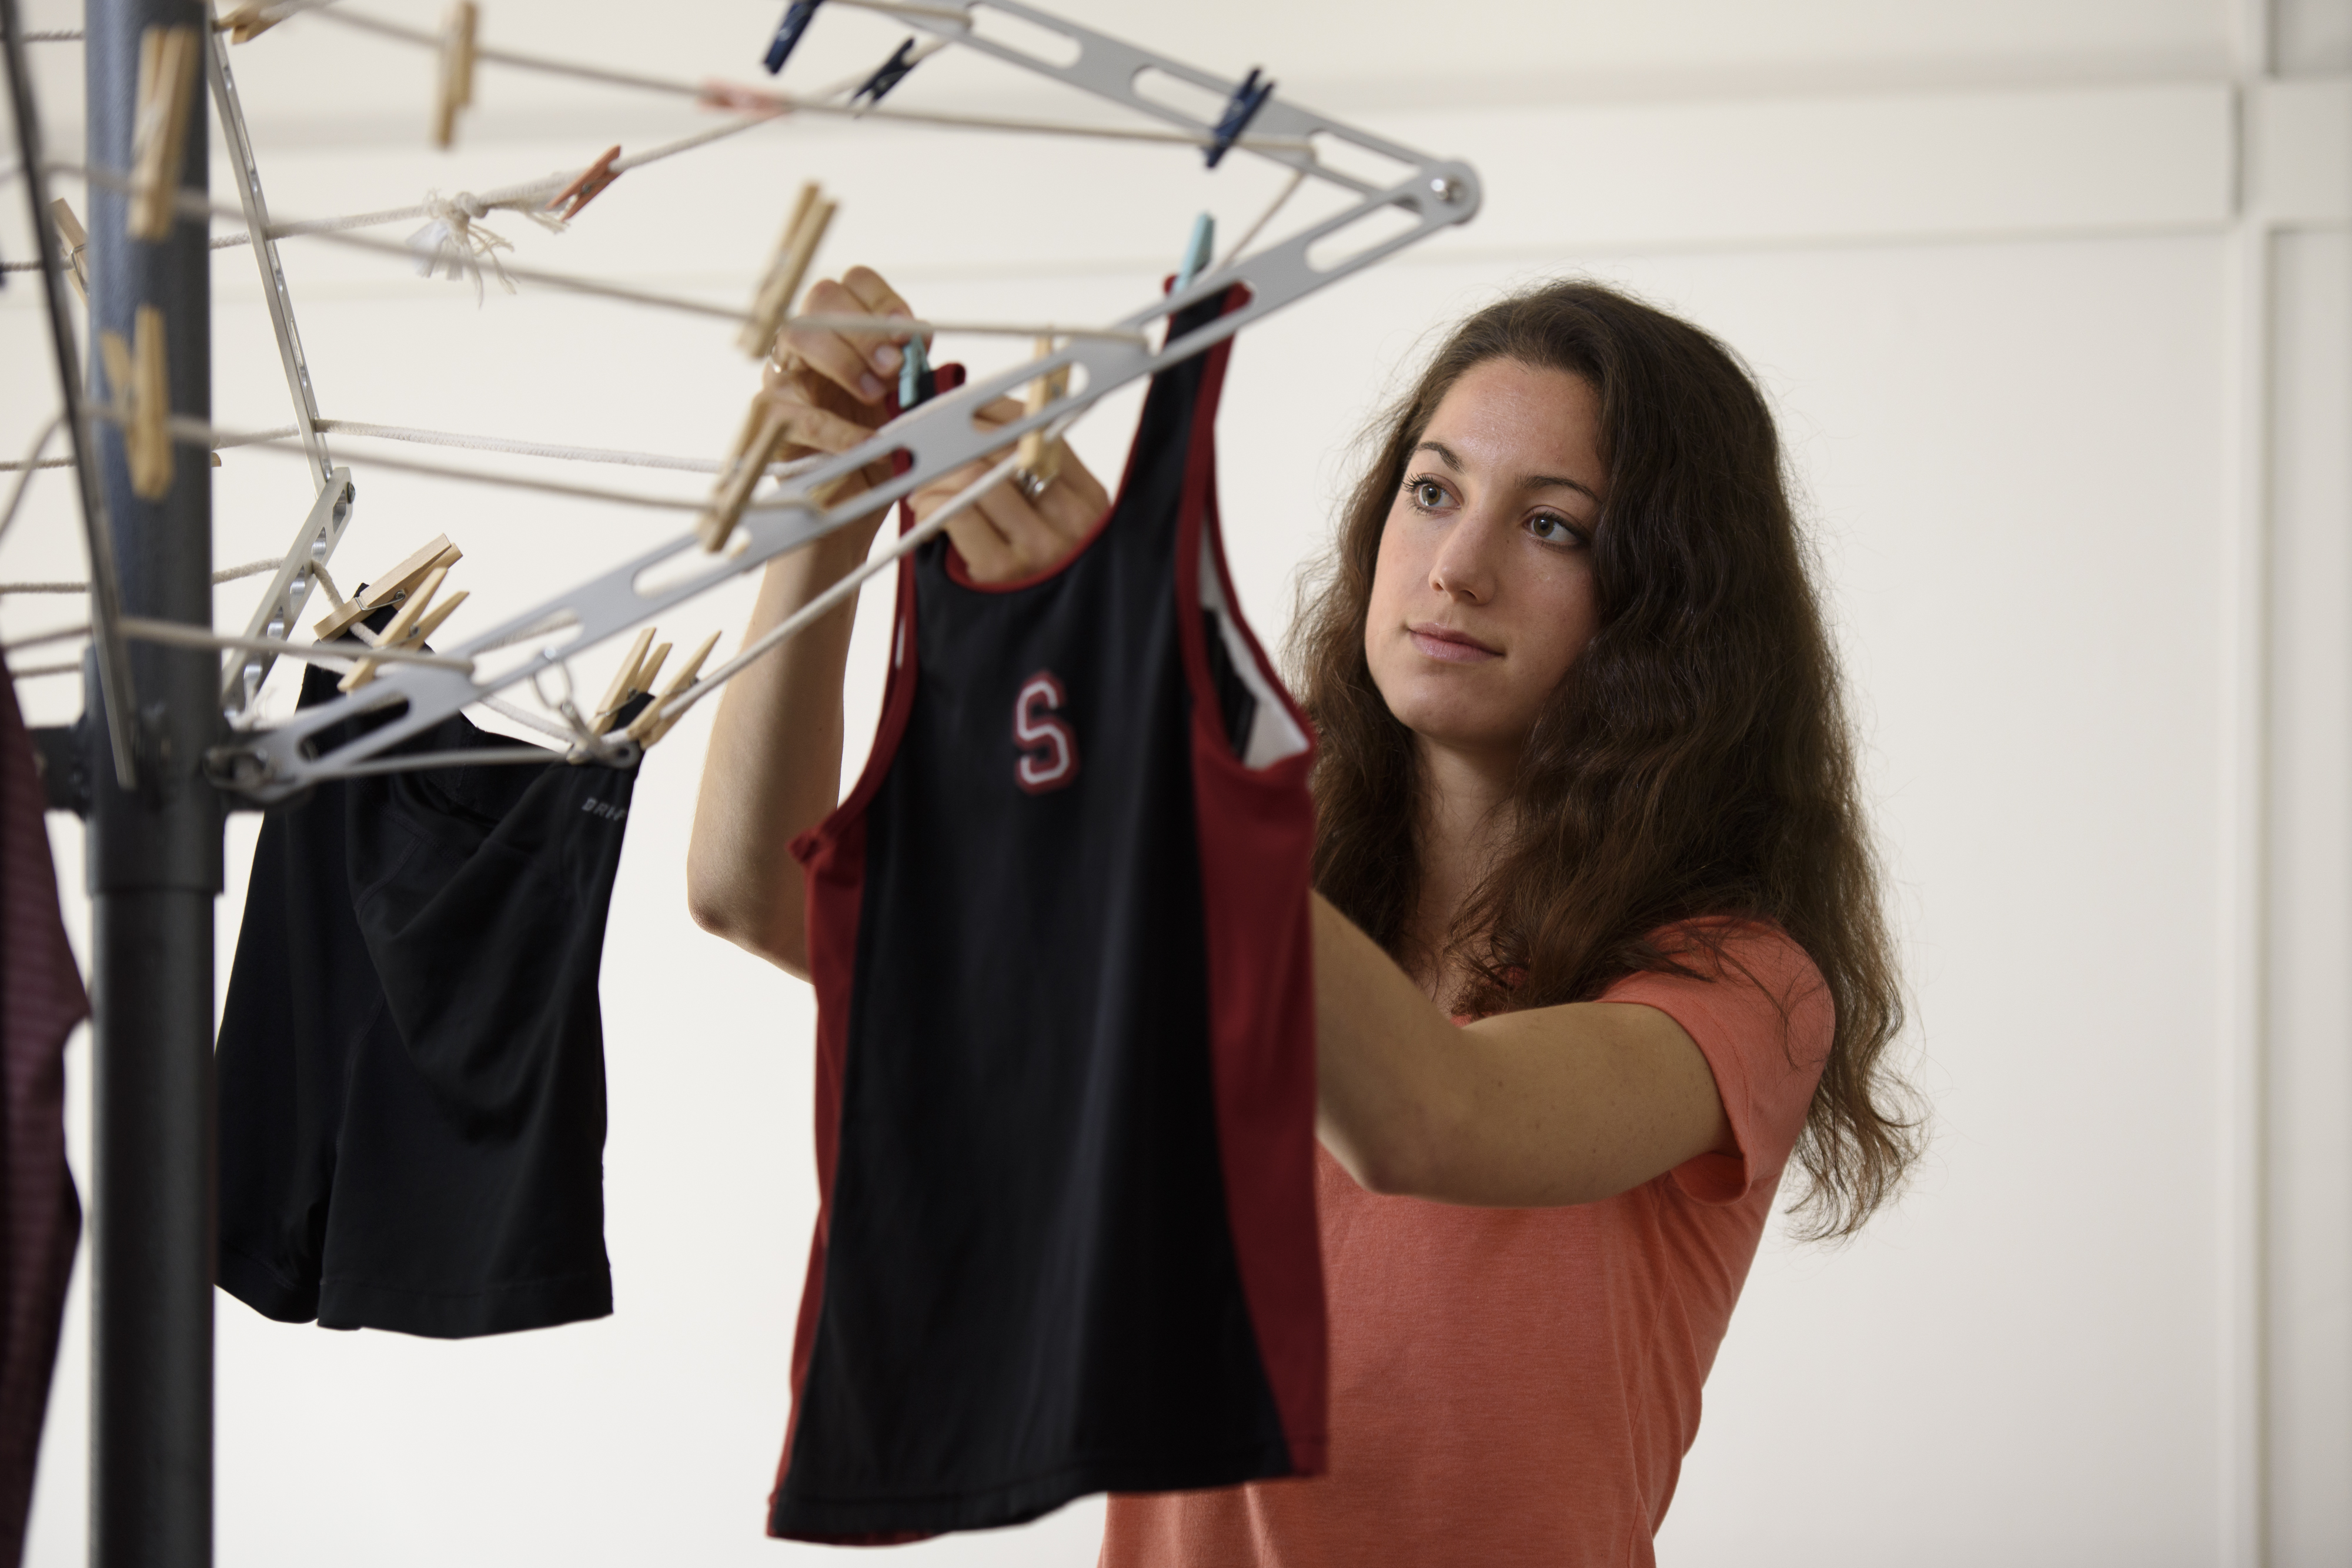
(1554, 530)
(1428, 494)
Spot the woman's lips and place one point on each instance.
(1437, 642)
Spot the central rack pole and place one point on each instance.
(155, 869)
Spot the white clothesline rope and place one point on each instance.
(190, 204)
(24, 475)
(350, 427)
(176, 634)
(143, 630)
(529, 196)
(198, 433)
(889, 325)
(226, 574)
(727, 95)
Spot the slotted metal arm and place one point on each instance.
(322, 529)
(1109, 68)
(939, 436)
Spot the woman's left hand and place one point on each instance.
(1007, 535)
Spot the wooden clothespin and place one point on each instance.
(1240, 110)
(76, 243)
(159, 130)
(138, 386)
(454, 89)
(392, 588)
(624, 681)
(247, 22)
(583, 190)
(797, 17)
(1039, 459)
(440, 613)
(755, 447)
(804, 231)
(402, 626)
(653, 724)
(889, 74)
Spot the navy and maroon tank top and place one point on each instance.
(1065, 1070)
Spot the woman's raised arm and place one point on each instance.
(774, 764)
(773, 769)
(1524, 1110)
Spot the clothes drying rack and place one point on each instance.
(171, 739)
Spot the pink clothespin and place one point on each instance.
(583, 190)
(742, 99)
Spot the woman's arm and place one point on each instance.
(774, 765)
(1534, 1109)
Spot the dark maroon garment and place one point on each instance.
(41, 999)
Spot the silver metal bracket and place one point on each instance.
(290, 589)
(1427, 195)
(244, 673)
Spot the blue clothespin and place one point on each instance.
(913, 372)
(1247, 99)
(797, 17)
(1196, 252)
(894, 71)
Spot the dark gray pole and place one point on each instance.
(154, 871)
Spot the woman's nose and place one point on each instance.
(1464, 566)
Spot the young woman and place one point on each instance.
(1598, 941)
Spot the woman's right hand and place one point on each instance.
(835, 384)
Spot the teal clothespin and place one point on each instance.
(911, 373)
(1196, 251)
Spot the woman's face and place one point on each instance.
(1483, 595)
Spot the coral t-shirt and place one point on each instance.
(1518, 1386)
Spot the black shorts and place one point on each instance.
(411, 1057)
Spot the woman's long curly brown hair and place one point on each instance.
(1695, 760)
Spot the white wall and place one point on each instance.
(2055, 301)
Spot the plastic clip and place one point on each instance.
(797, 17)
(1247, 99)
(1196, 252)
(916, 383)
(892, 72)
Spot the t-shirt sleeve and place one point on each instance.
(1762, 1017)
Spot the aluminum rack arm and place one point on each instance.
(271, 764)
(1109, 68)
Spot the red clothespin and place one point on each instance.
(583, 190)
